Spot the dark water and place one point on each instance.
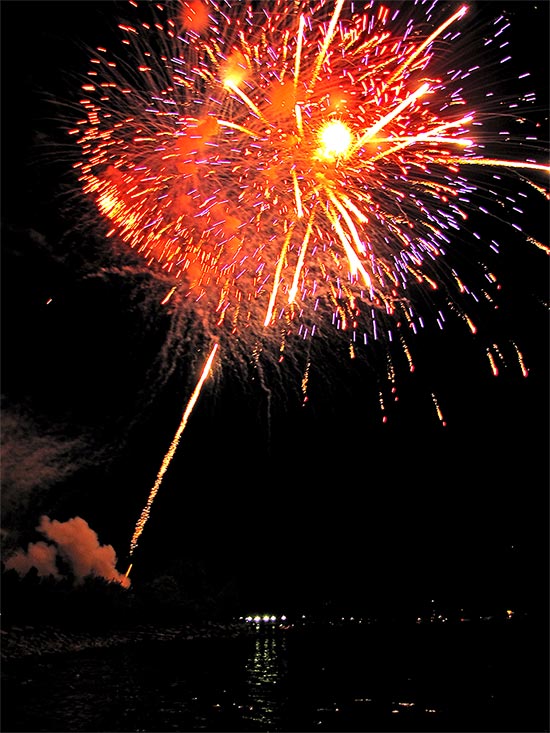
(431, 678)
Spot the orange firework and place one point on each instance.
(289, 166)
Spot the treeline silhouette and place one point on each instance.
(95, 603)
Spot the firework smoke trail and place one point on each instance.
(140, 525)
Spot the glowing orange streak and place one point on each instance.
(301, 258)
(538, 244)
(471, 324)
(541, 191)
(521, 362)
(447, 125)
(277, 278)
(298, 58)
(438, 411)
(421, 276)
(390, 116)
(297, 61)
(494, 367)
(404, 142)
(297, 195)
(351, 207)
(234, 126)
(326, 44)
(249, 103)
(351, 226)
(459, 14)
(168, 296)
(497, 162)
(353, 259)
(171, 451)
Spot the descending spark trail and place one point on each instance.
(170, 453)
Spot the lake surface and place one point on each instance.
(364, 678)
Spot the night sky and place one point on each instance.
(295, 503)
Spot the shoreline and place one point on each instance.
(26, 641)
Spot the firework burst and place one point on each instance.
(290, 168)
(300, 168)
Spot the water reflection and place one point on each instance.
(266, 671)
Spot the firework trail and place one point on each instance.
(296, 167)
(140, 525)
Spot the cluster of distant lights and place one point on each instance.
(266, 619)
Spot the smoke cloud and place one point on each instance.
(76, 543)
(39, 555)
(33, 458)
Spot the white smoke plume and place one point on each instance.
(76, 543)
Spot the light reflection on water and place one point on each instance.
(266, 671)
(413, 680)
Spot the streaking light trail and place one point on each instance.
(170, 453)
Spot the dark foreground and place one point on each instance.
(461, 677)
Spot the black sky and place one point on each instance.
(315, 502)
